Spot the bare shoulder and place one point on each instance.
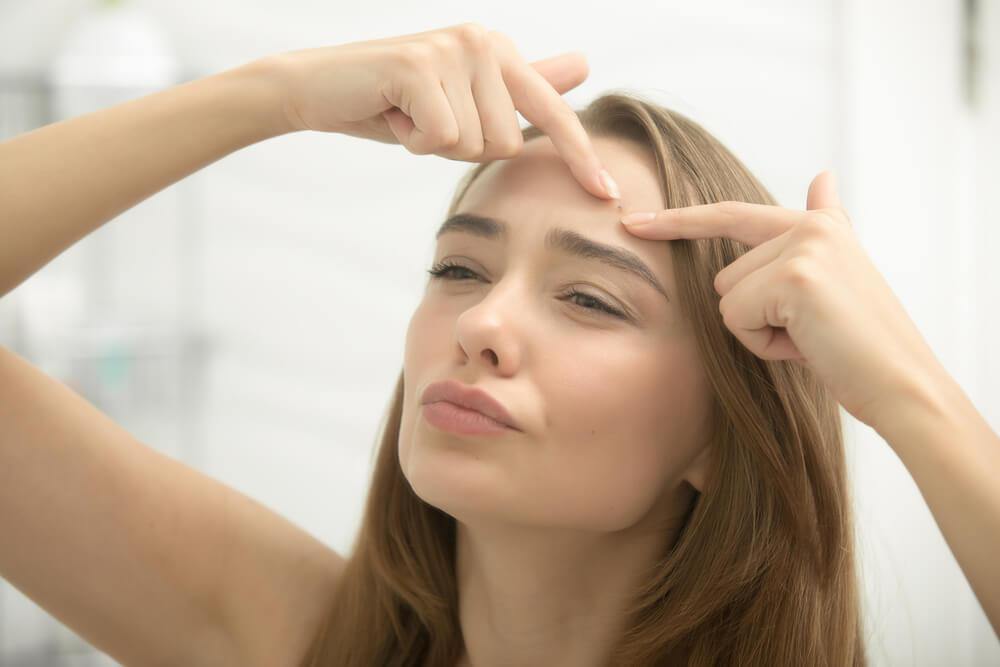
(278, 583)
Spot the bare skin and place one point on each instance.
(62, 181)
(104, 526)
(558, 522)
(807, 292)
(450, 92)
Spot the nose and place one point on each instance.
(488, 330)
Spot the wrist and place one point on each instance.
(268, 78)
(933, 401)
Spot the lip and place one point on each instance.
(470, 398)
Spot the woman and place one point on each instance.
(661, 478)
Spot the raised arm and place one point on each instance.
(62, 181)
(954, 457)
(150, 560)
(809, 293)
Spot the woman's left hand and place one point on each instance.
(807, 292)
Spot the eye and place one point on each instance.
(601, 305)
(446, 270)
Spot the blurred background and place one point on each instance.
(250, 319)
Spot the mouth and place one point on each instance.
(469, 399)
(456, 419)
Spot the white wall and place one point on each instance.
(911, 184)
(306, 270)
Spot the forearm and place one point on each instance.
(954, 457)
(62, 181)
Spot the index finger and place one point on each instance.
(543, 106)
(749, 223)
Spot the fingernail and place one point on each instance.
(634, 218)
(610, 185)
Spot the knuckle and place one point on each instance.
(418, 145)
(418, 149)
(813, 249)
(469, 150)
(815, 227)
(416, 55)
(824, 217)
(800, 271)
(500, 38)
(510, 147)
(443, 41)
(447, 138)
(472, 36)
(501, 150)
(438, 138)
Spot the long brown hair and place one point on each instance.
(763, 570)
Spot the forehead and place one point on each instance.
(541, 177)
(536, 190)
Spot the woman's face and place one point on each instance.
(611, 408)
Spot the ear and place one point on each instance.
(697, 471)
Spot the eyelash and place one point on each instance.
(444, 268)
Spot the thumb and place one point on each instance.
(823, 192)
(565, 71)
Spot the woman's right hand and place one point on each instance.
(452, 92)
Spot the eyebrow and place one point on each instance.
(558, 238)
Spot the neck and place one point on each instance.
(544, 596)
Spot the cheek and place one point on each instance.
(622, 425)
(417, 354)
(433, 469)
(426, 343)
(618, 384)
